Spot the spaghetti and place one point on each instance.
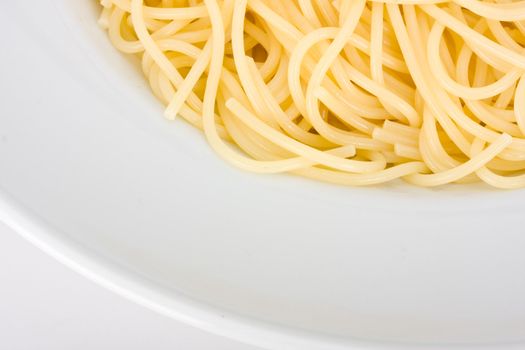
(352, 92)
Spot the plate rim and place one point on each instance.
(181, 307)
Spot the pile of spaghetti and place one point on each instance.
(353, 92)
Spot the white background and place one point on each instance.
(44, 305)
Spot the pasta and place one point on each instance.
(352, 92)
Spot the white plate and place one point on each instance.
(91, 172)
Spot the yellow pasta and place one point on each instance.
(352, 92)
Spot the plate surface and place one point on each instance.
(92, 173)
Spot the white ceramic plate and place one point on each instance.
(91, 172)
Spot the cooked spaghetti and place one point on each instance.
(353, 92)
